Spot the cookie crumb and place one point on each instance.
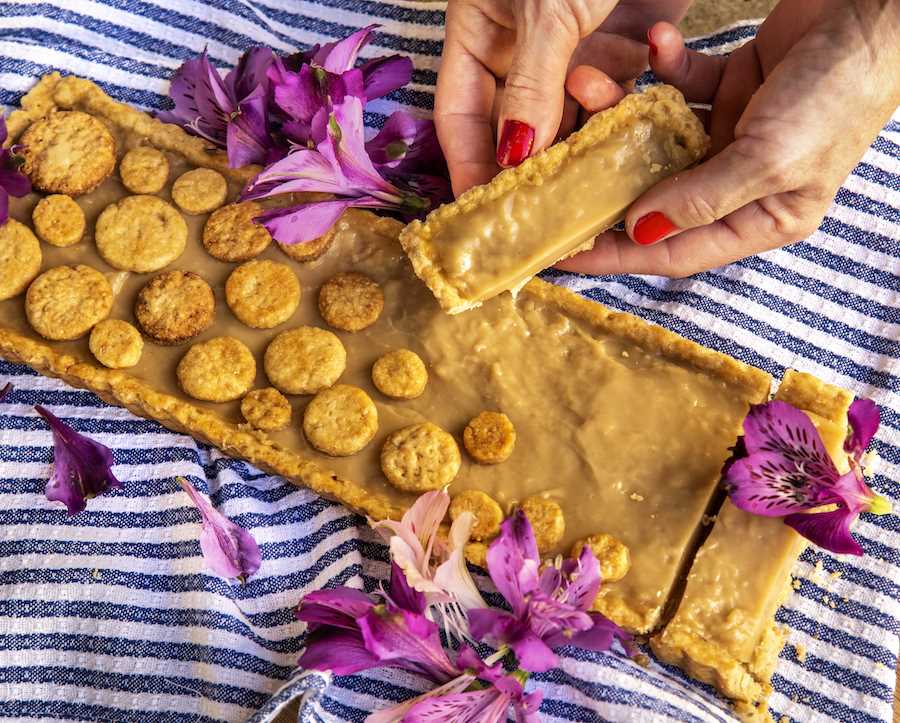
(801, 652)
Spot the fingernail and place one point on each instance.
(515, 144)
(653, 49)
(651, 228)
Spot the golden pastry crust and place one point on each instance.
(476, 553)
(64, 302)
(547, 521)
(304, 360)
(218, 370)
(487, 512)
(144, 169)
(613, 556)
(58, 220)
(20, 258)
(400, 374)
(116, 344)
(175, 306)
(340, 421)
(231, 235)
(200, 190)
(350, 301)
(262, 294)
(140, 233)
(266, 409)
(490, 438)
(311, 250)
(419, 458)
(68, 152)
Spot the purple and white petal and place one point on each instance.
(385, 75)
(338, 607)
(340, 56)
(828, 530)
(863, 418)
(341, 651)
(773, 485)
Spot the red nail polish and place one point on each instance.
(653, 49)
(515, 144)
(651, 228)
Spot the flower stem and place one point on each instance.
(499, 655)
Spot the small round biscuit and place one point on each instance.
(262, 294)
(58, 220)
(218, 370)
(199, 191)
(547, 521)
(175, 306)
(485, 509)
(266, 409)
(144, 170)
(420, 458)
(350, 301)
(476, 553)
(64, 302)
(400, 374)
(311, 250)
(304, 360)
(490, 438)
(116, 344)
(614, 557)
(140, 233)
(68, 152)
(340, 421)
(20, 258)
(231, 235)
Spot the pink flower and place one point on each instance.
(12, 181)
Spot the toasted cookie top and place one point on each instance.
(490, 438)
(58, 220)
(419, 458)
(144, 170)
(140, 233)
(20, 258)
(340, 421)
(311, 250)
(116, 344)
(547, 521)
(262, 294)
(218, 370)
(64, 302)
(266, 409)
(230, 233)
(400, 374)
(175, 306)
(350, 301)
(200, 190)
(484, 509)
(613, 556)
(68, 152)
(304, 360)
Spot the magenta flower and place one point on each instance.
(230, 113)
(406, 144)
(549, 607)
(5, 391)
(229, 550)
(12, 181)
(782, 469)
(82, 468)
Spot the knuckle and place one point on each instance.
(697, 211)
(523, 85)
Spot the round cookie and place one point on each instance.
(547, 521)
(490, 438)
(420, 458)
(218, 370)
(140, 233)
(199, 191)
(175, 306)
(144, 170)
(476, 553)
(262, 294)
(58, 220)
(311, 250)
(400, 374)
(483, 507)
(231, 235)
(304, 360)
(20, 258)
(613, 556)
(340, 421)
(64, 302)
(350, 301)
(116, 344)
(68, 152)
(266, 409)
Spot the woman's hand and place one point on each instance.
(792, 113)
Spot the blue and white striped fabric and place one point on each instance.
(109, 615)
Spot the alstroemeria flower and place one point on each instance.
(12, 181)
(406, 144)
(228, 549)
(82, 468)
(549, 606)
(231, 113)
(782, 469)
(5, 391)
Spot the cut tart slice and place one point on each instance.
(495, 237)
(724, 630)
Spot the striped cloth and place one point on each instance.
(110, 615)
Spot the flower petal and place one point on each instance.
(583, 583)
(452, 576)
(407, 144)
(476, 706)
(512, 560)
(303, 170)
(384, 75)
(340, 651)
(770, 484)
(247, 137)
(338, 607)
(828, 530)
(599, 636)
(402, 594)
(864, 418)
(14, 182)
(341, 56)
(397, 712)
(304, 222)
(3, 130)
(296, 94)
(250, 75)
(202, 103)
(4, 206)
(4, 392)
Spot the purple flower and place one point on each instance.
(5, 391)
(81, 466)
(782, 469)
(12, 181)
(231, 113)
(406, 144)
(229, 550)
(549, 607)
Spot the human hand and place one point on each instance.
(792, 113)
(511, 60)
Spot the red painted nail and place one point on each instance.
(651, 228)
(653, 49)
(515, 144)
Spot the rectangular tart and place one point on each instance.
(724, 630)
(495, 237)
